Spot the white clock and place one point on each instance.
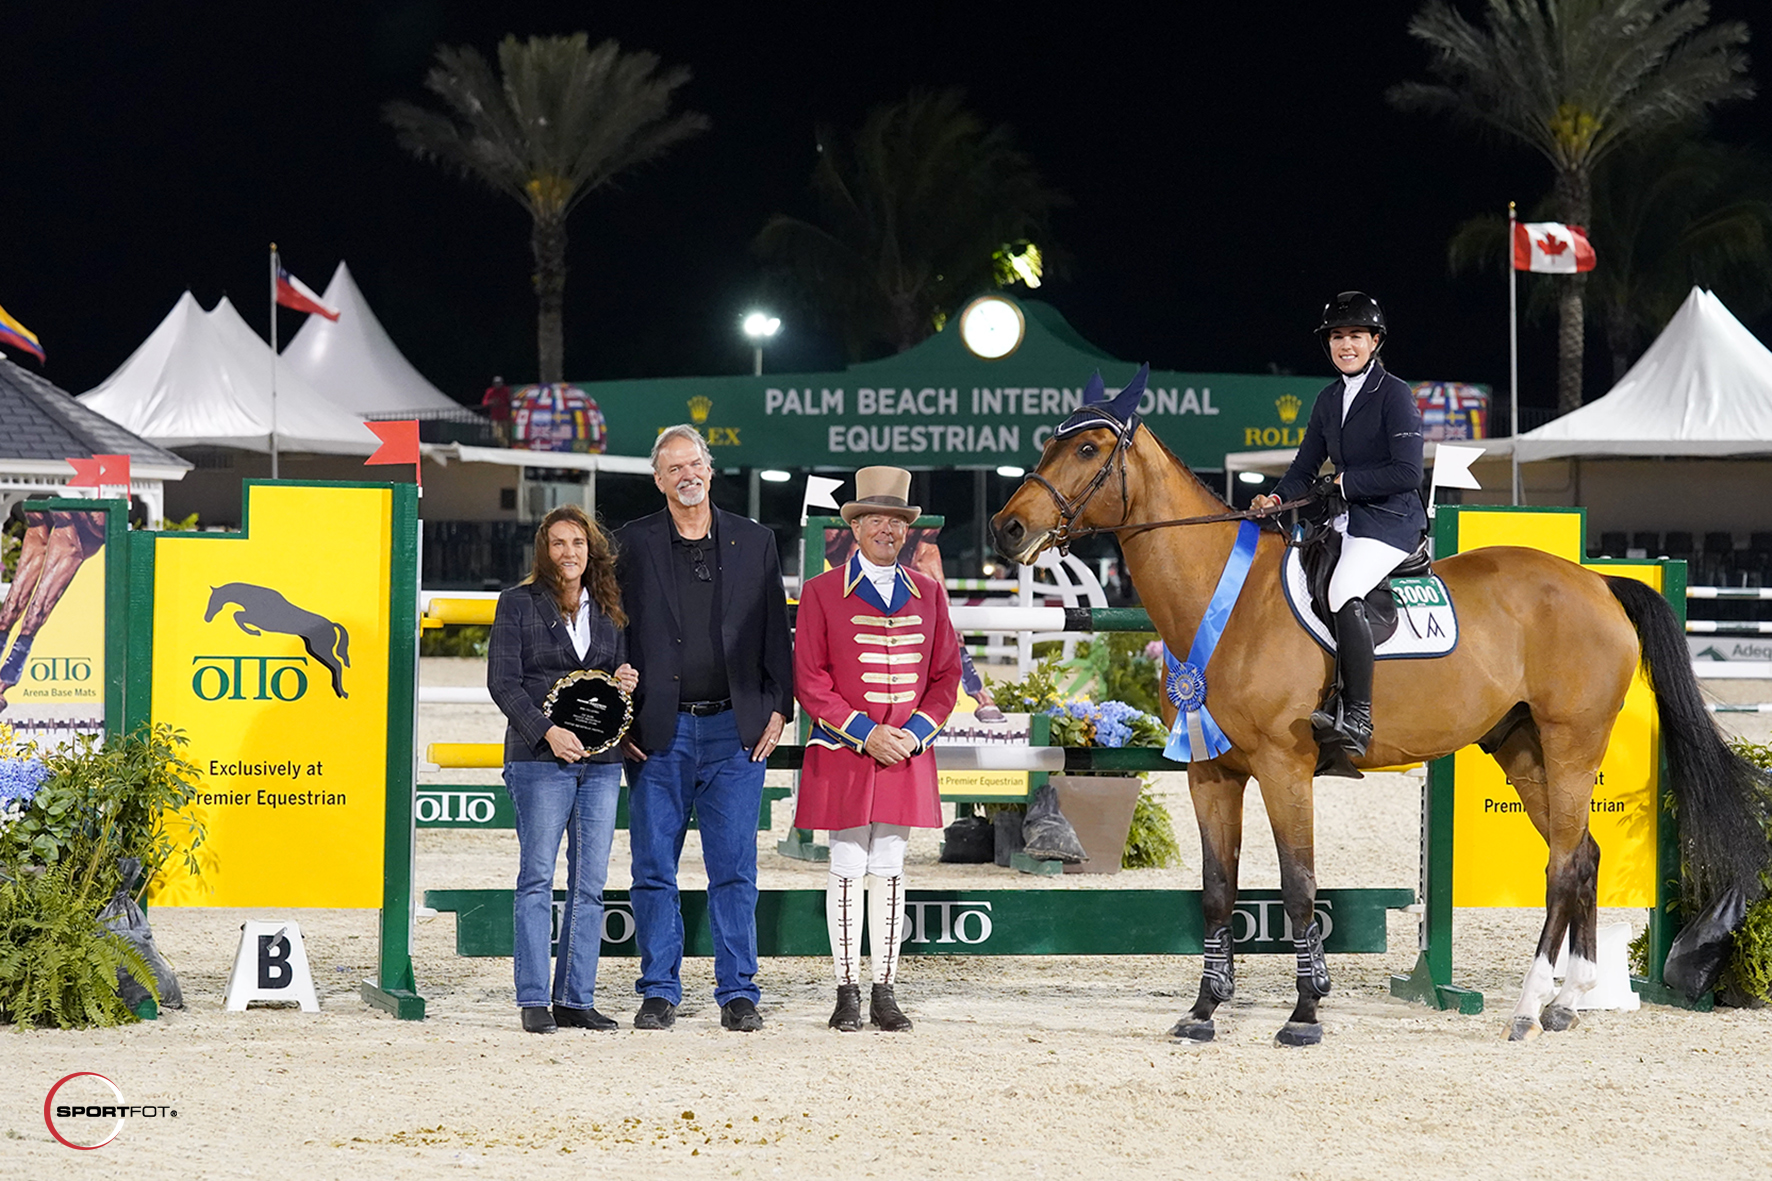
(992, 327)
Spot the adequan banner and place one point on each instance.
(271, 653)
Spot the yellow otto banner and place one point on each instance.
(52, 628)
(271, 652)
(1498, 857)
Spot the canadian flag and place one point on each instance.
(1552, 247)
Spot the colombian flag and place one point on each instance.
(17, 336)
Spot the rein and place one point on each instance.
(1070, 508)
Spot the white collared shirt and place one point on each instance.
(1350, 385)
(881, 576)
(579, 626)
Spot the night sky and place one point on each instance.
(1229, 167)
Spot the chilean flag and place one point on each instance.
(293, 293)
(1551, 247)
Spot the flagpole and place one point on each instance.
(1513, 356)
(273, 360)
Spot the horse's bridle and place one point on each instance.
(1070, 508)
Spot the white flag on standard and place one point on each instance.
(1452, 469)
(818, 495)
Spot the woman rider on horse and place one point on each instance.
(1368, 426)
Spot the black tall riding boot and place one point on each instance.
(1349, 721)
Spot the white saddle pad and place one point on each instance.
(1427, 625)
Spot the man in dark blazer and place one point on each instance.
(708, 634)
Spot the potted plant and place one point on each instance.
(1116, 819)
(85, 829)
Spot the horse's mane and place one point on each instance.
(1176, 460)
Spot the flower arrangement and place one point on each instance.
(77, 822)
(1151, 842)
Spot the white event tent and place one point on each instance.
(353, 362)
(1704, 388)
(204, 379)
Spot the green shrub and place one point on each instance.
(1151, 843)
(61, 848)
(455, 639)
(58, 964)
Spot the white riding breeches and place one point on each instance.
(876, 849)
(1365, 562)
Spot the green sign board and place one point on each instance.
(939, 405)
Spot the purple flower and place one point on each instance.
(19, 781)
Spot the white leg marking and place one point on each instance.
(1580, 979)
(1537, 988)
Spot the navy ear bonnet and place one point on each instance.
(1119, 415)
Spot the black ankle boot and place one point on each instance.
(884, 1011)
(846, 1017)
(1346, 717)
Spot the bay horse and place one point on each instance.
(1546, 652)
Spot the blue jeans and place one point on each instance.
(577, 800)
(708, 769)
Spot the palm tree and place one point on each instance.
(921, 208)
(561, 120)
(1576, 80)
(1671, 210)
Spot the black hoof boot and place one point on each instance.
(846, 1017)
(1557, 1018)
(1299, 1033)
(1194, 1029)
(884, 1012)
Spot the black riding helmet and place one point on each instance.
(1352, 309)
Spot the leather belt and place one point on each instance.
(702, 709)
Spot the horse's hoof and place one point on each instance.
(1190, 1030)
(1557, 1018)
(1299, 1033)
(1524, 1029)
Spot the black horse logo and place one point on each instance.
(264, 610)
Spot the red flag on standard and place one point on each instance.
(399, 444)
(1552, 248)
(99, 471)
(293, 293)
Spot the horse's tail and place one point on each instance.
(1721, 798)
(342, 644)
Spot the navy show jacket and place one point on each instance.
(1377, 453)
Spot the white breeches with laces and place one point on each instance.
(874, 853)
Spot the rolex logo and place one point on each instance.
(699, 407)
(1288, 407)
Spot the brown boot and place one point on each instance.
(846, 1017)
(884, 1012)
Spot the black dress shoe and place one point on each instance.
(883, 1010)
(583, 1019)
(741, 1015)
(846, 1017)
(655, 1013)
(537, 1019)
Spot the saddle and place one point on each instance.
(1319, 549)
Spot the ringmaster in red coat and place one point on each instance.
(876, 668)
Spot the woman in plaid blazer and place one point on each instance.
(564, 617)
